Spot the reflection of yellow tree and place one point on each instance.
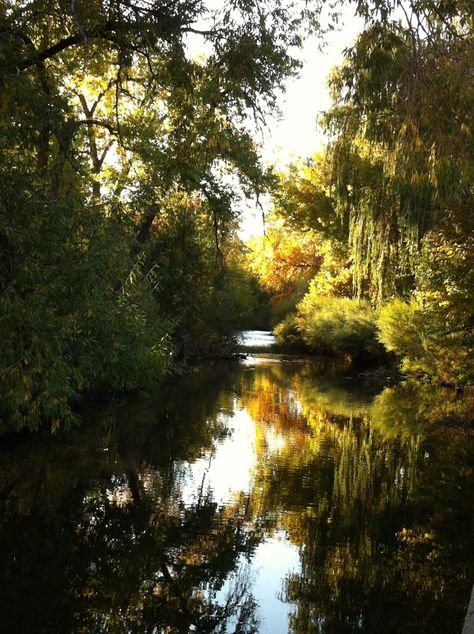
(372, 507)
(413, 407)
(272, 405)
(359, 494)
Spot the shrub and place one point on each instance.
(402, 329)
(287, 332)
(68, 329)
(338, 325)
(423, 340)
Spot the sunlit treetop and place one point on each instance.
(401, 135)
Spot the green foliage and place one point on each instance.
(304, 198)
(402, 141)
(445, 277)
(69, 329)
(338, 325)
(434, 335)
(204, 292)
(251, 303)
(115, 195)
(403, 329)
(287, 331)
(393, 191)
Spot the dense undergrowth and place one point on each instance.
(122, 157)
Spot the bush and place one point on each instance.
(426, 344)
(68, 328)
(402, 328)
(287, 332)
(338, 325)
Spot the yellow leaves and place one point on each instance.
(212, 142)
(217, 143)
(196, 558)
(408, 129)
(414, 537)
(284, 258)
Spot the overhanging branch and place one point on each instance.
(108, 27)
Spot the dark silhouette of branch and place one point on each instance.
(107, 28)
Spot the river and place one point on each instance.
(277, 494)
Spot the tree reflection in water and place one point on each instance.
(106, 530)
(95, 536)
(375, 493)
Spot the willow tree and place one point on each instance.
(402, 157)
(402, 140)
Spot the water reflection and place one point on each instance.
(257, 339)
(262, 497)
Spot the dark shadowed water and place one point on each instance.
(279, 494)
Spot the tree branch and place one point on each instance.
(92, 121)
(104, 153)
(67, 42)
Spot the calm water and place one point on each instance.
(257, 339)
(276, 495)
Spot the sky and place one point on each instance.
(296, 134)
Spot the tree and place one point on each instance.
(108, 117)
(401, 138)
(398, 182)
(304, 239)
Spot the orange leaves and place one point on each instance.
(284, 260)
